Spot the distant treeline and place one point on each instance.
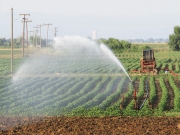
(114, 44)
(122, 46)
(6, 43)
(149, 40)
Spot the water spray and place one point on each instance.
(130, 79)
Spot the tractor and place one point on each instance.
(148, 63)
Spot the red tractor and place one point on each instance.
(148, 63)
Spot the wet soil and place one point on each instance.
(89, 125)
(158, 95)
(170, 101)
(177, 82)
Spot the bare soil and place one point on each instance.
(177, 82)
(170, 101)
(158, 95)
(89, 125)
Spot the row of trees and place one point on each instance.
(114, 44)
(6, 43)
(121, 45)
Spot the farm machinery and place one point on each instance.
(148, 64)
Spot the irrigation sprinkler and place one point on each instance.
(137, 103)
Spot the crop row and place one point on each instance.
(38, 93)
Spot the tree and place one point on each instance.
(174, 39)
(2, 41)
(114, 44)
(125, 44)
(144, 48)
(102, 40)
(18, 42)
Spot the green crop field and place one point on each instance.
(87, 85)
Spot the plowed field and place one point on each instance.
(89, 125)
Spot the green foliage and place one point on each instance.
(134, 48)
(130, 112)
(52, 95)
(152, 96)
(2, 41)
(174, 39)
(125, 44)
(119, 46)
(145, 111)
(163, 102)
(116, 44)
(144, 48)
(176, 94)
(5, 67)
(158, 112)
(6, 43)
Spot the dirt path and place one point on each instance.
(90, 125)
(158, 95)
(177, 82)
(173, 67)
(170, 101)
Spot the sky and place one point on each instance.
(122, 19)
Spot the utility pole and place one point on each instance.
(40, 33)
(11, 40)
(55, 31)
(32, 37)
(23, 33)
(47, 34)
(27, 32)
(36, 34)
